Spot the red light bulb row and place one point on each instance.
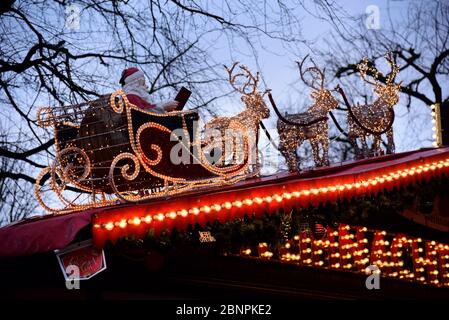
(228, 205)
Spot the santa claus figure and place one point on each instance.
(134, 85)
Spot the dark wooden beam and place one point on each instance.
(444, 118)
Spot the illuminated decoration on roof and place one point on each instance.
(377, 118)
(246, 123)
(110, 151)
(294, 129)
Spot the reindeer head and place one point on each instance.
(322, 96)
(251, 97)
(388, 93)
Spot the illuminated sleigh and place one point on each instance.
(109, 149)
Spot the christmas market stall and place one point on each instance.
(132, 222)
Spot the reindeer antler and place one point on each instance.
(394, 68)
(231, 77)
(365, 68)
(251, 82)
(311, 70)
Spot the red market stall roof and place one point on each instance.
(227, 202)
(268, 194)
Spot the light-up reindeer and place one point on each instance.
(247, 121)
(311, 125)
(377, 118)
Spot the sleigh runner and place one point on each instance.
(109, 149)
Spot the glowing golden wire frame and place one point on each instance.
(224, 141)
(60, 174)
(50, 120)
(68, 205)
(172, 185)
(202, 161)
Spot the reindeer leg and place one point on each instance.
(325, 146)
(256, 148)
(299, 142)
(252, 150)
(352, 136)
(233, 142)
(289, 152)
(365, 149)
(221, 144)
(353, 142)
(390, 142)
(291, 160)
(314, 142)
(379, 149)
(375, 148)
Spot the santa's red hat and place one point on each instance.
(130, 74)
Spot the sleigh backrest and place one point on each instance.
(67, 120)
